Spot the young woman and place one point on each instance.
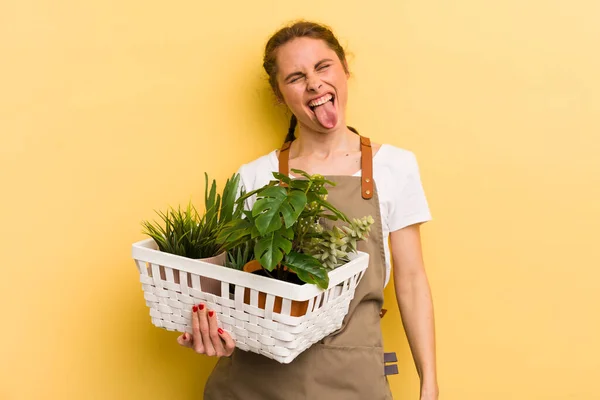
(308, 71)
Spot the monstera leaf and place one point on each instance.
(308, 269)
(275, 203)
(270, 249)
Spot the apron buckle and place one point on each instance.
(390, 369)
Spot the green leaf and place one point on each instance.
(245, 196)
(297, 202)
(308, 268)
(273, 204)
(184, 233)
(281, 177)
(331, 208)
(228, 200)
(234, 231)
(267, 208)
(237, 258)
(302, 173)
(210, 198)
(301, 184)
(254, 233)
(270, 249)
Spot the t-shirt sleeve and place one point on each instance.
(243, 185)
(409, 205)
(255, 175)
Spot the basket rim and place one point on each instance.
(146, 251)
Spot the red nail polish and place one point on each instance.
(220, 331)
(184, 337)
(201, 307)
(211, 313)
(195, 308)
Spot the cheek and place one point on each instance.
(341, 86)
(293, 96)
(337, 78)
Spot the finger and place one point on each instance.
(209, 350)
(215, 339)
(185, 340)
(198, 345)
(228, 342)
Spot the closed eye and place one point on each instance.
(294, 77)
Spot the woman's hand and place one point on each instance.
(207, 337)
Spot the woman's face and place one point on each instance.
(313, 83)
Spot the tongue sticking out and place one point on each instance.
(327, 115)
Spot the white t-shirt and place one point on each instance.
(396, 173)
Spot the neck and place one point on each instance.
(324, 144)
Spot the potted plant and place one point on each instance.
(187, 233)
(292, 231)
(288, 231)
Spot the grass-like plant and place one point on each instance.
(186, 233)
(240, 256)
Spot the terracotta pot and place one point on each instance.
(252, 266)
(298, 308)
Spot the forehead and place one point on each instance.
(301, 53)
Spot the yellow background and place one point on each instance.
(109, 110)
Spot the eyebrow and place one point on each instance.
(297, 73)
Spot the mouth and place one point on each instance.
(327, 97)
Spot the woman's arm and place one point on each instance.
(416, 307)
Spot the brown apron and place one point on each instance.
(348, 364)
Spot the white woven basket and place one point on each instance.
(172, 285)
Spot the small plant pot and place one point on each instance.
(209, 285)
(298, 309)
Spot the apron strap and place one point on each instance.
(284, 158)
(366, 165)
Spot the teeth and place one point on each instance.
(321, 100)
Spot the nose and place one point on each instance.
(313, 83)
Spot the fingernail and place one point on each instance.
(211, 313)
(220, 331)
(195, 308)
(184, 337)
(201, 307)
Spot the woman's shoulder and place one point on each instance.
(393, 157)
(258, 172)
(260, 163)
